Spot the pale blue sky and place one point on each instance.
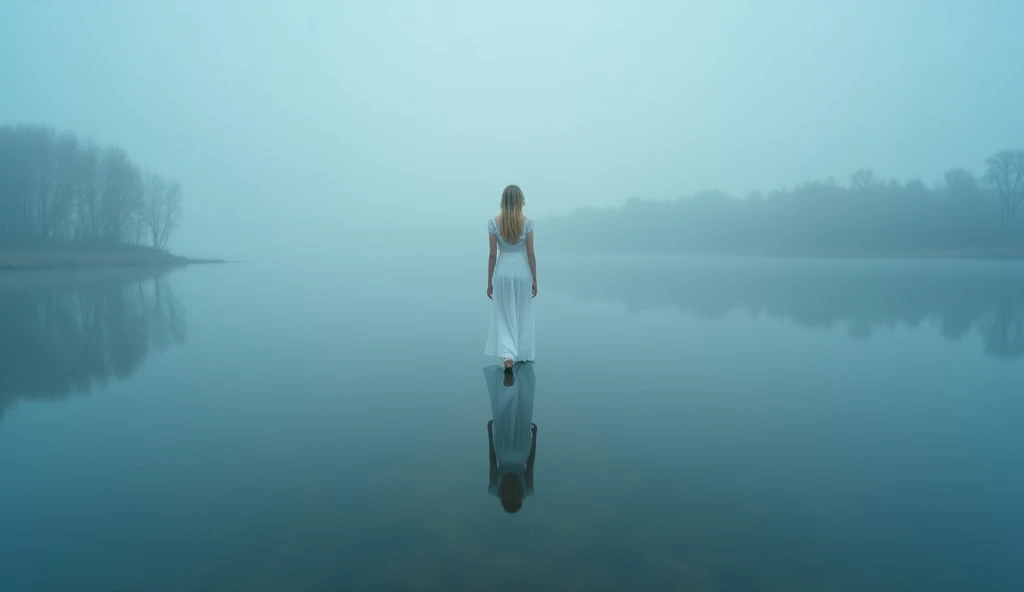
(288, 123)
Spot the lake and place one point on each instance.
(702, 424)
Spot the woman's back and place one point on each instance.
(493, 226)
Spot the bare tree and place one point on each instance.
(862, 180)
(87, 195)
(57, 223)
(162, 209)
(39, 146)
(152, 208)
(17, 161)
(961, 183)
(1006, 174)
(137, 226)
(121, 195)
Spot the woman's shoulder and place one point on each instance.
(527, 224)
(492, 225)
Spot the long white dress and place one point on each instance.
(511, 332)
(512, 412)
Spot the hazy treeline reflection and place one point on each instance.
(960, 297)
(62, 334)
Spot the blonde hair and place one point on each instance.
(511, 219)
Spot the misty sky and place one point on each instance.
(289, 123)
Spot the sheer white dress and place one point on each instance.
(511, 332)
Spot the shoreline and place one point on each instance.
(70, 257)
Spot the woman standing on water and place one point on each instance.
(511, 281)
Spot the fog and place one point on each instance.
(776, 309)
(300, 130)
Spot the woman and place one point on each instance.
(511, 281)
(511, 434)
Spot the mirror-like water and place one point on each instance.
(701, 424)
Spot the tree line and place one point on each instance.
(56, 186)
(866, 216)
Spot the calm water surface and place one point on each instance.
(712, 425)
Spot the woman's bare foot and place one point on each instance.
(508, 363)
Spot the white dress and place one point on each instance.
(511, 332)
(512, 431)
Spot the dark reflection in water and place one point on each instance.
(511, 433)
(62, 334)
(961, 297)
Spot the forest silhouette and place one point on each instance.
(964, 215)
(55, 186)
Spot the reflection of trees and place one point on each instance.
(59, 336)
(1004, 331)
(960, 297)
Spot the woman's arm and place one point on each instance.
(533, 259)
(492, 258)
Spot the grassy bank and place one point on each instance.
(86, 255)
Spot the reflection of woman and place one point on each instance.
(511, 434)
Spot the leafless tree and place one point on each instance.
(862, 180)
(961, 183)
(162, 209)
(87, 197)
(1005, 173)
(61, 188)
(121, 195)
